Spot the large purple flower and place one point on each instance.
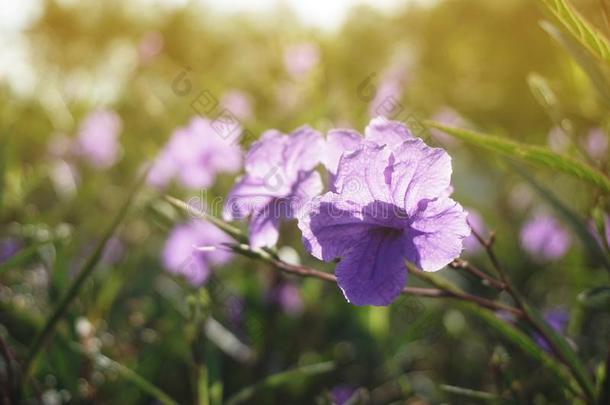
(185, 251)
(279, 181)
(98, 138)
(544, 238)
(195, 154)
(391, 204)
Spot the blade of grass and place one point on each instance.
(223, 226)
(593, 40)
(279, 379)
(527, 346)
(566, 352)
(46, 333)
(584, 59)
(530, 153)
(474, 394)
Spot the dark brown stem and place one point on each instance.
(421, 292)
(461, 264)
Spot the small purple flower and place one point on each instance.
(557, 319)
(279, 180)
(9, 247)
(98, 138)
(471, 243)
(238, 103)
(150, 45)
(288, 297)
(544, 238)
(195, 154)
(114, 251)
(391, 205)
(340, 394)
(300, 59)
(192, 249)
(389, 92)
(596, 144)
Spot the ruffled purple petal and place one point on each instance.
(419, 173)
(363, 177)
(372, 272)
(437, 231)
(264, 225)
(383, 131)
(339, 141)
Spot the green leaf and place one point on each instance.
(223, 226)
(527, 345)
(593, 40)
(279, 379)
(588, 63)
(576, 223)
(604, 388)
(598, 297)
(474, 394)
(530, 153)
(565, 350)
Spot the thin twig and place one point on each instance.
(304, 271)
(461, 264)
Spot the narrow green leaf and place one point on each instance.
(527, 345)
(469, 393)
(576, 223)
(223, 226)
(604, 388)
(588, 63)
(47, 331)
(598, 297)
(277, 380)
(579, 28)
(565, 350)
(530, 153)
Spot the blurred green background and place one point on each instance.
(485, 60)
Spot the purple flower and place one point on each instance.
(238, 103)
(596, 144)
(279, 180)
(114, 251)
(300, 59)
(544, 238)
(380, 130)
(476, 222)
(288, 297)
(342, 393)
(150, 45)
(195, 154)
(558, 321)
(9, 247)
(192, 249)
(98, 138)
(391, 205)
